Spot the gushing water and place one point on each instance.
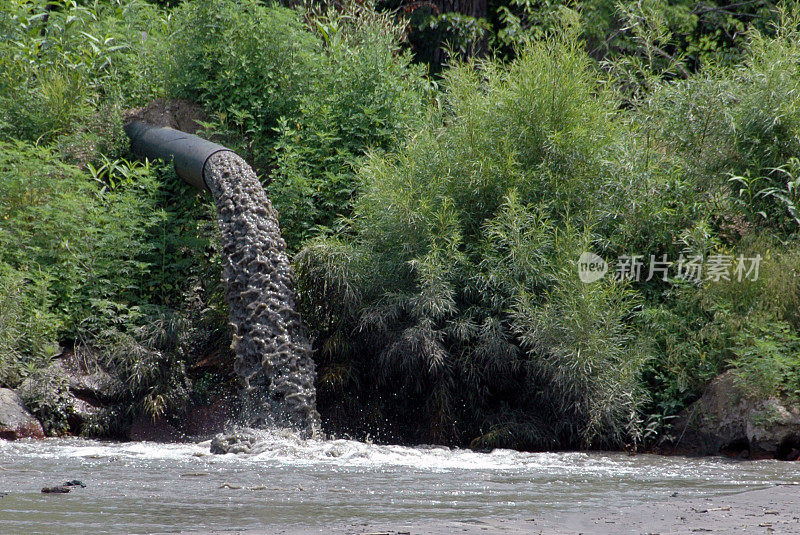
(273, 354)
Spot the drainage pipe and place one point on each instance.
(188, 152)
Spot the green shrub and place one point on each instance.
(767, 358)
(311, 96)
(364, 95)
(104, 258)
(150, 362)
(90, 238)
(94, 243)
(699, 330)
(62, 73)
(736, 128)
(28, 329)
(248, 63)
(105, 243)
(452, 294)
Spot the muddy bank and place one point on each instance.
(771, 510)
(179, 114)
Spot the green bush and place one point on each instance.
(737, 128)
(87, 236)
(247, 62)
(767, 359)
(28, 329)
(151, 363)
(364, 95)
(438, 219)
(699, 331)
(455, 278)
(95, 250)
(311, 96)
(66, 72)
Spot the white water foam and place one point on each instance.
(283, 448)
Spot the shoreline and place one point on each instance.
(773, 509)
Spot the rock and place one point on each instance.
(46, 394)
(774, 430)
(91, 383)
(81, 413)
(729, 420)
(15, 420)
(94, 386)
(237, 442)
(68, 395)
(206, 420)
(145, 428)
(64, 488)
(58, 489)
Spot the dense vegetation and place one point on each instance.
(437, 214)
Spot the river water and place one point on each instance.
(141, 487)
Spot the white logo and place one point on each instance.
(591, 267)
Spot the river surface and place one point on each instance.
(142, 487)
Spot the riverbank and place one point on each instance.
(771, 510)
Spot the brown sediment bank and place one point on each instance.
(773, 510)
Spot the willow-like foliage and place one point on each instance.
(449, 308)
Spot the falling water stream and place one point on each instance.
(273, 354)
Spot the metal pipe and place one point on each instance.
(188, 152)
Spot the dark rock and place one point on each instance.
(82, 412)
(206, 420)
(96, 387)
(145, 428)
(58, 489)
(69, 394)
(15, 420)
(74, 483)
(89, 382)
(729, 420)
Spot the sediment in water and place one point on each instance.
(273, 354)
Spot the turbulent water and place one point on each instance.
(142, 487)
(273, 355)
